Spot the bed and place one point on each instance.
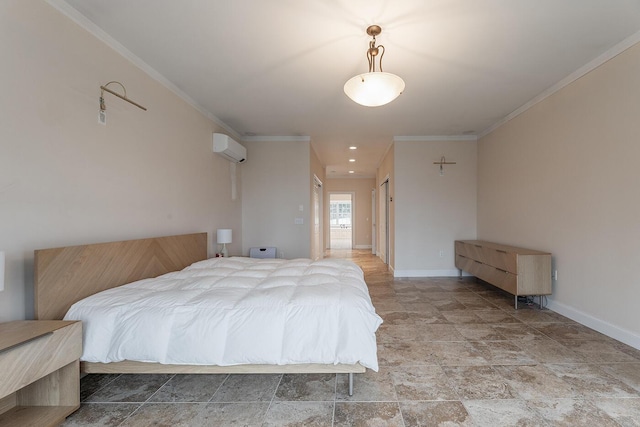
(344, 333)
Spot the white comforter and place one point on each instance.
(231, 311)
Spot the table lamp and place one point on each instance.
(224, 237)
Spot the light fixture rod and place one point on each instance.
(374, 50)
(123, 97)
(443, 162)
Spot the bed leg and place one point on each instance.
(350, 383)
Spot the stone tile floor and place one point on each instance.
(452, 353)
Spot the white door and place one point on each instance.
(373, 221)
(316, 237)
(384, 221)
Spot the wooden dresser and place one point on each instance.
(516, 270)
(39, 371)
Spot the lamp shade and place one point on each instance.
(224, 235)
(374, 88)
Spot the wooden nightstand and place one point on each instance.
(39, 371)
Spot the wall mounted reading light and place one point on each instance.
(374, 88)
(443, 162)
(102, 115)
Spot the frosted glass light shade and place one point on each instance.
(374, 89)
(224, 235)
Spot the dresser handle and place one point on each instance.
(26, 341)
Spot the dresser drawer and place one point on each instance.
(500, 278)
(464, 263)
(39, 372)
(462, 249)
(507, 282)
(475, 252)
(26, 362)
(501, 259)
(516, 270)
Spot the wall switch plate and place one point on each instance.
(555, 274)
(298, 221)
(441, 253)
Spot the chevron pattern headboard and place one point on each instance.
(63, 276)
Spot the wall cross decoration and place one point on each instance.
(443, 162)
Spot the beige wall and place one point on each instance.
(386, 169)
(361, 188)
(432, 211)
(65, 179)
(563, 177)
(275, 185)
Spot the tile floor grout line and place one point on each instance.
(218, 388)
(275, 391)
(158, 389)
(538, 326)
(105, 385)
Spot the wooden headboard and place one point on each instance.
(63, 276)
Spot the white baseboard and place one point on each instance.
(428, 273)
(362, 247)
(613, 331)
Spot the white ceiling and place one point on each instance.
(277, 67)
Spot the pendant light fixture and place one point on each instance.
(376, 87)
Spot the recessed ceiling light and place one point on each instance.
(353, 147)
(352, 160)
(351, 171)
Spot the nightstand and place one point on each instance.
(39, 371)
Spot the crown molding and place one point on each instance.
(289, 138)
(350, 176)
(433, 138)
(580, 72)
(88, 25)
(386, 151)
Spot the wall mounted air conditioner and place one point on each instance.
(228, 148)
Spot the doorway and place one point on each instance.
(373, 221)
(316, 237)
(383, 240)
(341, 213)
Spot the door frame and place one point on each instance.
(373, 221)
(384, 228)
(318, 213)
(353, 215)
